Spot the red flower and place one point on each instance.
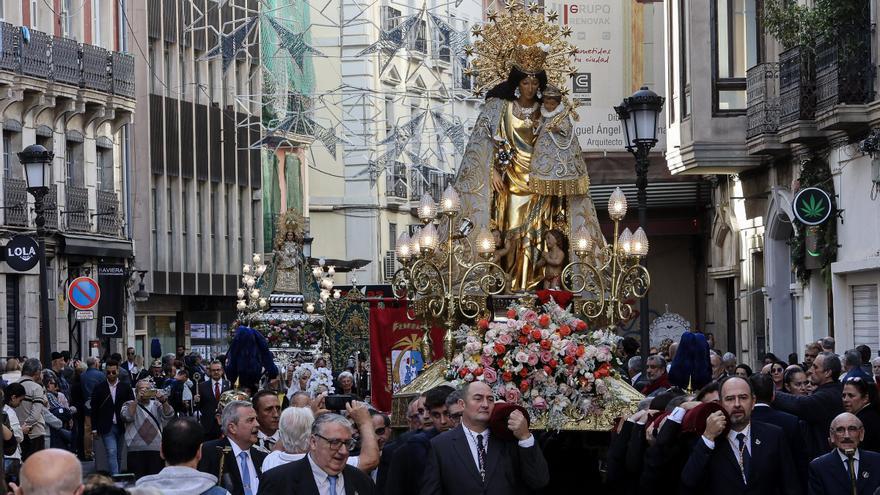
(499, 348)
(603, 371)
(507, 376)
(548, 370)
(524, 386)
(526, 330)
(478, 371)
(524, 372)
(483, 323)
(581, 350)
(500, 362)
(545, 344)
(523, 340)
(511, 313)
(581, 326)
(536, 334)
(567, 359)
(462, 372)
(553, 363)
(565, 330)
(544, 320)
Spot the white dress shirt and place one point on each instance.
(855, 462)
(323, 482)
(113, 395)
(261, 440)
(471, 437)
(252, 470)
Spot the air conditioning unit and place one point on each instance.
(389, 265)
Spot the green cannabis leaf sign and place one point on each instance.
(812, 206)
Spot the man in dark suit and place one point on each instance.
(852, 365)
(765, 390)
(208, 397)
(242, 462)
(846, 470)
(468, 459)
(749, 458)
(820, 407)
(106, 413)
(324, 469)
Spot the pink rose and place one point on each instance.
(533, 359)
(486, 361)
(546, 356)
(489, 375)
(539, 403)
(530, 316)
(505, 339)
(513, 395)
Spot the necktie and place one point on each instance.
(332, 480)
(850, 466)
(268, 443)
(746, 458)
(481, 455)
(245, 474)
(217, 391)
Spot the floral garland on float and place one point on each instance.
(282, 333)
(550, 363)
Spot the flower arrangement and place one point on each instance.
(550, 363)
(296, 334)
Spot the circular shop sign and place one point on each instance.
(812, 206)
(21, 253)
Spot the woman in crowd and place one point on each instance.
(295, 428)
(777, 374)
(794, 381)
(346, 384)
(12, 462)
(301, 378)
(743, 371)
(61, 415)
(860, 398)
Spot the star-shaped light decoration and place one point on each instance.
(552, 16)
(299, 122)
(511, 5)
(492, 15)
(453, 129)
(469, 50)
(566, 31)
(457, 41)
(294, 43)
(392, 40)
(534, 7)
(230, 44)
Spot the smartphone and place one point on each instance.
(150, 393)
(337, 402)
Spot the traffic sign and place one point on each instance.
(812, 206)
(83, 293)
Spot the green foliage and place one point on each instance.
(793, 24)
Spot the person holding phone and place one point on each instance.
(145, 418)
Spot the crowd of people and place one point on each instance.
(795, 426)
(180, 427)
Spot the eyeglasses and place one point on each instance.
(840, 430)
(336, 444)
(777, 370)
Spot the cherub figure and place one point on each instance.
(554, 259)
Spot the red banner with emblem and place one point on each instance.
(396, 352)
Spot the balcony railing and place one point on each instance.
(844, 71)
(15, 202)
(66, 61)
(109, 220)
(762, 89)
(50, 208)
(797, 85)
(419, 45)
(395, 184)
(77, 208)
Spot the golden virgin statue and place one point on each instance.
(505, 182)
(288, 256)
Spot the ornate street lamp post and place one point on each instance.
(639, 114)
(37, 161)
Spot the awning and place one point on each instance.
(95, 246)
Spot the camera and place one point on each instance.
(337, 402)
(150, 393)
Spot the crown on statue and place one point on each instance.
(529, 54)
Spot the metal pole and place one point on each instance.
(642, 163)
(39, 194)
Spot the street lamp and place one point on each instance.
(639, 114)
(37, 161)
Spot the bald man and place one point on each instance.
(848, 469)
(50, 471)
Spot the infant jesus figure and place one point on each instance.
(554, 259)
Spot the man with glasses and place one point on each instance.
(846, 470)
(324, 471)
(107, 421)
(408, 463)
(455, 408)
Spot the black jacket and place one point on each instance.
(104, 407)
(870, 419)
(717, 470)
(208, 407)
(829, 475)
(296, 477)
(665, 459)
(510, 469)
(792, 427)
(407, 467)
(817, 409)
(210, 463)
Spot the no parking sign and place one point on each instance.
(83, 293)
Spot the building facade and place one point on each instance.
(771, 119)
(67, 83)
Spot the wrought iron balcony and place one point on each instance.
(50, 208)
(15, 202)
(109, 219)
(797, 85)
(762, 89)
(65, 61)
(395, 185)
(77, 208)
(844, 71)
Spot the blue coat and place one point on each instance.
(89, 379)
(828, 474)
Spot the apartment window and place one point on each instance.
(389, 114)
(153, 73)
(154, 206)
(11, 144)
(181, 70)
(197, 75)
(736, 49)
(187, 218)
(96, 23)
(684, 55)
(34, 11)
(167, 60)
(74, 165)
(390, 17)
(392, 234)
(67, 19)
(104, 168)
(215, 211)
(199, 211)
(171, 205)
